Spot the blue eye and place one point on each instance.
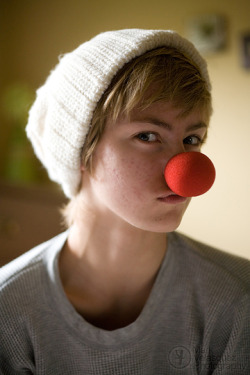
(147, 137)
(193, 140)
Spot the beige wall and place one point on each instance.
(36, 32)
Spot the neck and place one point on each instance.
(110, 247)
(114, 265)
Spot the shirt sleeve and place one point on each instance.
(236, 356)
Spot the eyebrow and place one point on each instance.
(163, 124)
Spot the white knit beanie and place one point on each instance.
(60, 117)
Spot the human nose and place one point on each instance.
(190, 174)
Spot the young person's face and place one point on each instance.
(127, 182)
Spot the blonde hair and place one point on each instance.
(173, 76)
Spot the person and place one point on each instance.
(121, 291)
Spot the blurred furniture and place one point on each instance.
(28, 216)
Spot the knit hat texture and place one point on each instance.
(61, 115)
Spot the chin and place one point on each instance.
(169, 222)
(160, 225)
(167, 228)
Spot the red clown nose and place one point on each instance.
(190, 174)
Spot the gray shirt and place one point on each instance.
(195, 321)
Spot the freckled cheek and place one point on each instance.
(127, 175)
(134, 176)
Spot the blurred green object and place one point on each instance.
(20, 163)
(17, 99)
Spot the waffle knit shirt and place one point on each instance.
(195, 321)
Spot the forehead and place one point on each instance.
(165, 112)
(158, 98)
(160, 115)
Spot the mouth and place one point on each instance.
(172, 199)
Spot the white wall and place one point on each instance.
(222, 216)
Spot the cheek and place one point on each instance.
(125, 175)
(134, 176)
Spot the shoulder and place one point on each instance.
(213, 265)
(25, 299)
(21, 279)
(215, 286)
